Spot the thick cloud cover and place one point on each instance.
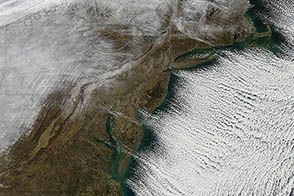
(229, 127)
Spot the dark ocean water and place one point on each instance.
(226, 126)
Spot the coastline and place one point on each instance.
(137, 88)
(269, 39)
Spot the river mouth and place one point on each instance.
(227, 128)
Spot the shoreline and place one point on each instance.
(146, 85)
(268, 39)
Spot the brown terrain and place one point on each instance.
(68, 151)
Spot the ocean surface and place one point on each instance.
(227, 127)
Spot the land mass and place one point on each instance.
(75, 149)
